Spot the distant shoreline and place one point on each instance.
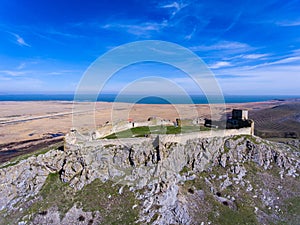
(164, 99)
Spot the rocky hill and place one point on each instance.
(220, 180)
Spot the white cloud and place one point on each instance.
(63, 72)
(21, 66)
(296, 51)
(254, 56)
(275, 80)
(13, 72)
(222, 45)
(287, 60)
(220, 64)
(189, 36)
(141, 29)
(292, 23)
(177, 6)
(20, 40)
(64, 34)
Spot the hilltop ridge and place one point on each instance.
(201, 180)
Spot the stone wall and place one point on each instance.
(119, 141)
(163, 138)
(183, 138)
(124, 125)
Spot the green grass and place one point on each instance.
(143, 131)
(226, 216)
(291, 209)
(116, 209)
(293, 205)
(226, 149)
(221, 214)
(215, 211)
(184, 170)
(54, 193)
(245, 137)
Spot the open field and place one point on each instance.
(26, 126)
(282, 121)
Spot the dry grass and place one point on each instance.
(282, 121)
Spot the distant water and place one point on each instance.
(196, 99)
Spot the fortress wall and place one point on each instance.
(169, 138)
(183, 138)
(153, 123)
(142, 124)
(109, 129)
(179, 138)
(104, 131)
(120, 141)
(122, 126)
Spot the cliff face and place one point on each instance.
(200, 181)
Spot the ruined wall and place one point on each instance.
(168, 138)
(182, 138)
(119, 141)
(124, 125)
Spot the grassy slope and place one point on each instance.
(209, 209)
(114, 208)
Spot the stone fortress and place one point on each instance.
(237, 124)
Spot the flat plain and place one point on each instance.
(27, 126)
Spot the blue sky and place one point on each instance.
(253, 47)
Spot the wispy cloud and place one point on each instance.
(21, 66)
(63, 34)
(222, 45)
(14, 73)
(244, 58)
(189, 36)
(254, 56)
(220, 64)
(284, 79)
(64, 72)
(235, 21)
(175, 6)
(285, 61)
(291, 23)
(19, 40)
(290, 64)
(141, 29)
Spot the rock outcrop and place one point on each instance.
(155, 172)
(25, 179)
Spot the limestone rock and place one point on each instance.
(142, 164)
